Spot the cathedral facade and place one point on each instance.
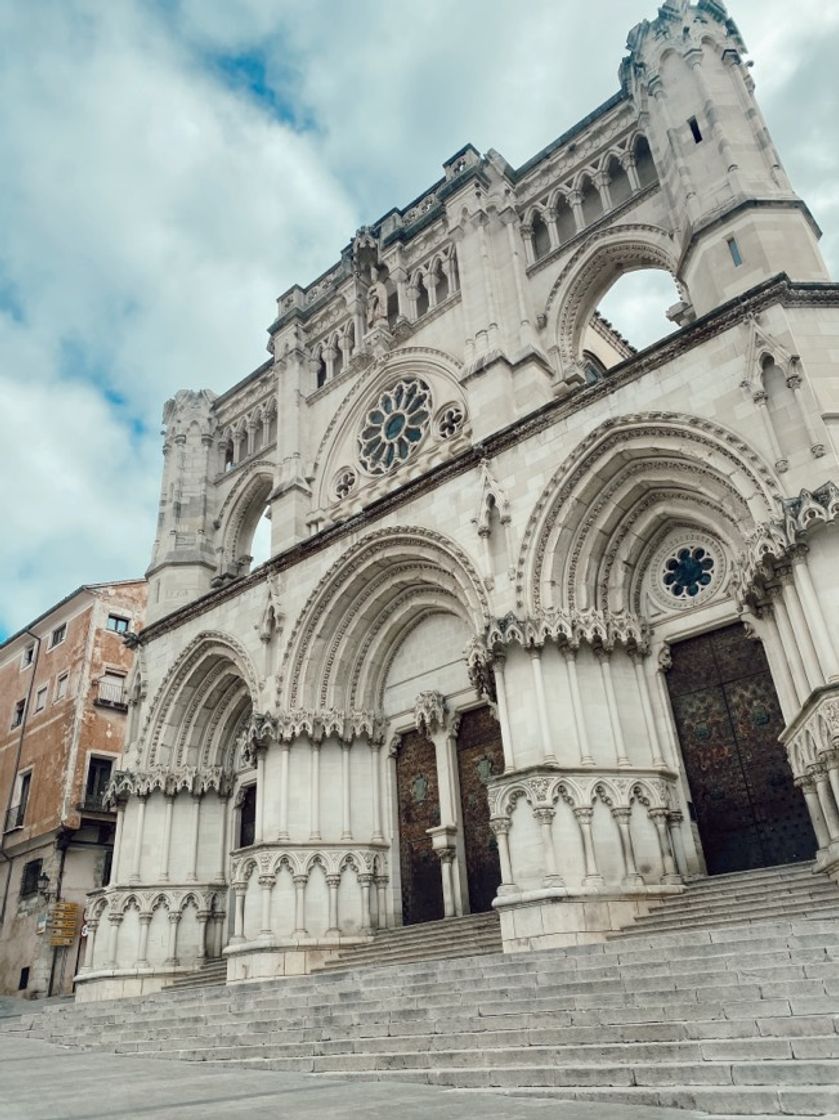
(549, 625)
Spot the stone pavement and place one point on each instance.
(41, 1081)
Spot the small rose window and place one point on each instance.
(688, 572)
(394, 429)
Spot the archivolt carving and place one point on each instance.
(208, 643)
(384, 560)
(697, 442)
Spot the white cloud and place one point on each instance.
(154, 207)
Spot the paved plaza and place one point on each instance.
(41, 1081)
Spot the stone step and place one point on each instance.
(662, 924)
(793, 1102)
(749, 895)
(691, 903)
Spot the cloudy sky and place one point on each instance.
(168, 167)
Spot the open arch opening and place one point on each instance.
(638, 306)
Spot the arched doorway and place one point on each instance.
(468, 755)
(728, 720)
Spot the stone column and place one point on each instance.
(826, 801)
(365, 881)
(801, 631)
(674, 828)
(501, 828)
(601, 181)
(266, 882)
(381, 901)
(647, 709)
(777, 655)
(118, 833)
(375, 792)
(504, 714)
(239, 890)
(346, 821)
(514, 242)
(202, 918)
(807, 786)
(314, 791)
(221, 874)
(605, 658)
(825, 649)
(659, 819)
(174, 925)
(333, 882)
(631, 879)
(285, 749)
(592, 878)
(544, 815)
(115, 921)
(570, 657)
(300, 882)
(628, 163)
(143, 950)
(138, 838)
(259, 813)
(789, 648)
(447, 858)
(167, 837)
(548, 755)
(90, 948)
(192, 866)
(817, 448)
(575, 200)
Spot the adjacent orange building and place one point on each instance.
(63, 707)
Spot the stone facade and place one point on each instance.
(483, 500)
(63, 706)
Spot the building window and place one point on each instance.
(734, 249)
(28, 656)
(247, 816)
(23, 983)
(61, 687)
(695, 131)
(394, 429)
(58, 635)
(41, 699)
(118, 624)
(98, 777)
(112, 690)
(17, 812)
(18, 714)
(29, 879)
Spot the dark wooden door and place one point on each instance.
(479, 758)
(728, 719)
(418, 795)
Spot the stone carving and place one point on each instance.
(430, 712)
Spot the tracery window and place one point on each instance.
(394, 428)
(687, 571)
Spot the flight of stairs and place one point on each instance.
(469, 936)
(725, 1000)
(212, 974)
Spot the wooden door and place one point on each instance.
(418, 798)
(479, 757)
(748, 810)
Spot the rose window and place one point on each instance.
(394, 429)
(688, 571)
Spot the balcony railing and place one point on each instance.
(112, 694)
(94, 802)
(14, 817)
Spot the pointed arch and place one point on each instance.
(353, 619)
(591, 271)
(188, 695)
(629, 477)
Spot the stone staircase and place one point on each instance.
(212, 974)
(713, 1009)
(470, 936)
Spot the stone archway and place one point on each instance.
(728, 720)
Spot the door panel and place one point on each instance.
(419, 809)
(728, 719)
(479, 758)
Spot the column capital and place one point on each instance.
(500, 825)
(333, 880)
(583, 812)
(267, 880)
(544, 814)
(430, 712)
